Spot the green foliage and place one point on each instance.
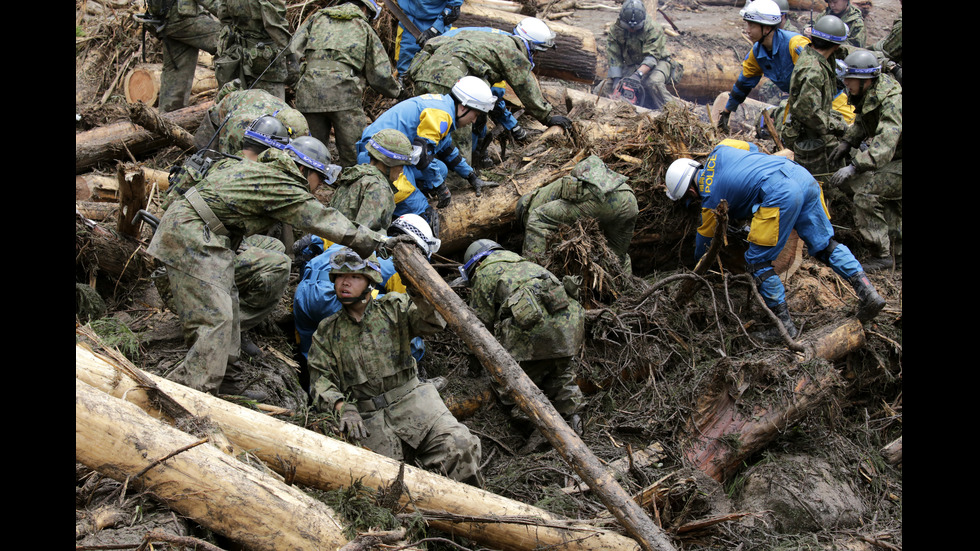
(79, 31)
(116, 334)
(358, 506)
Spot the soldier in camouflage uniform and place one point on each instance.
(874, 175)
(531, 314)
(188, 27)
(254, 33)
(241, 108)
(491, 55)
(891, 48)
(361, 366)
(341, 51)
(590, 191)
(787, 24)
(198, 236)
(637, 52)
(851, 16)
(811, 127)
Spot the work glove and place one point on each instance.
(387, 249)
(352, 423)
(442, 195)
(558, 120)
(431, 32)
(723, 121)
(518, 133)
(842, 175)
(450, 15)
(839, 153)
(479, 184)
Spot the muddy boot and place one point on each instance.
(871, 302)
(875, 264)
(249, 349)
(772, 334)
(575, 422)
(235, 384)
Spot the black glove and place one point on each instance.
(558, 120)
(839, 153)
(450, 14)
(426, 156)
(443, 195)
(723, 121)
(518, 133)
(431, 32)
(388, 246)
(352, 423)
(479, 184)
(841, 176)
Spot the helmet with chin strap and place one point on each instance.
(536, 32)
(346, 261)
(477, 251)
(679, 176)
(763, 12)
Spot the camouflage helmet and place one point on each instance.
(783, 6)
(476, 252)
(346, 261)
(862, 64)
(391, 147)
(633, 15)
(266, 131)
(831, 29)
(594, 171)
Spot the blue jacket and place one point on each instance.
(777, 66)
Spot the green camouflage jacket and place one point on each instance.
(891, 45)
(879, 120)
(355, 361)
(341, 52)
(809, 110)
(247, 197)
(627, 51)
(857, 34)
(365, 197)
(526, 307)
(492, 56)
(245, 106)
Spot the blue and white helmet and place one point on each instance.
(763, 12)
(536, 32)
(475, 93)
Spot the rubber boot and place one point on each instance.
(772, 334)
(875, 264)
(871, 302)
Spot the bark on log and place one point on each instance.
(420, 274)
(154, 121)
(99, 250)
(725, 432)
(892, 453)
(96, 187)
(121, 441)
(119, 139)
(325, 463)
(132, 198)
(575, 56)
(143, 83)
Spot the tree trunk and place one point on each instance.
(120, 139)
(108, 252)
(575, 56)
(326, 463)
(726, 431)
(119, 440)
(143, 83)
(413, 267)
(95, 187)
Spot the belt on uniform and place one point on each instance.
(382, 401)
(211, 222)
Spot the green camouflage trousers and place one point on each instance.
(547, 210)
(447, 448)
(556, 378)
(877, 197)
(213, 316)
(347, 127)
(182, 41)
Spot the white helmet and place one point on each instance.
(416, 226)
(475, 93)
(763, 12)
(536, 32)
(679, 176)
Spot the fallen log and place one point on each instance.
(142, 83)
(726, 431)
(325, 463)
(464, 322)
(575, 56)
(96, 187)
(119, 440)
(154, 121)
(105, 251)
(892, 453)
(745, 119)
(121, 139)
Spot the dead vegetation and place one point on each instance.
(649, 367)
